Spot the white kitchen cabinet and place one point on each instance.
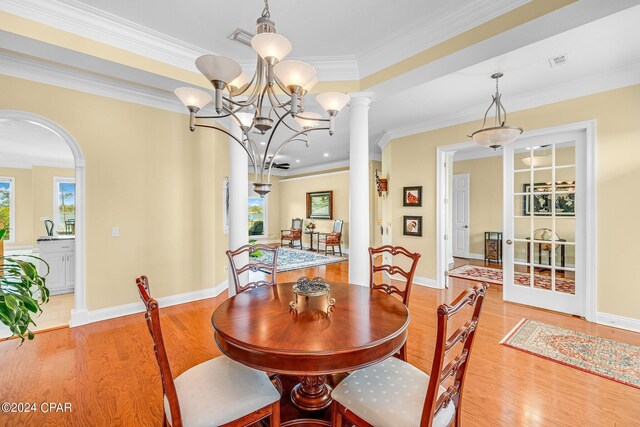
(60, 254)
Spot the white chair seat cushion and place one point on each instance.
(220, 390)
(389, 394)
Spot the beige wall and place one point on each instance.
(412, 162)
(485, 198)
(293, 200)
(149, 176)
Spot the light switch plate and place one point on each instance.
(115, 232)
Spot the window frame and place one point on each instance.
(12, 207)
(57, 180)
(265, 214)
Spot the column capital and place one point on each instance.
(360, 99)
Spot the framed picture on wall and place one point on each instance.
(412, 196)
(412, 225)
(320, 205)
(542, 199)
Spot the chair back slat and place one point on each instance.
(337, 226)
(296, 224)
(393, 270)
(152, 316)
(456, 369)
(236, 270)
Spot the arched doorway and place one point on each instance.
(78, 314)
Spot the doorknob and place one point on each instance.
(466, 226)
(509, 242)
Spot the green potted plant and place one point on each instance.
(22, 292)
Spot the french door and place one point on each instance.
(544, 222)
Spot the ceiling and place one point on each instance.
(26, 144)
(345, 40)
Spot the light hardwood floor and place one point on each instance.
(108, 372)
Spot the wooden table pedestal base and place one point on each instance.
(312, 393)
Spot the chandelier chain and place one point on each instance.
(265, 12)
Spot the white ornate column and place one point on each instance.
(238, 198)
(359, 190)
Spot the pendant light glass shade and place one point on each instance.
(537, 161)
(271, 45)
(307, 120)
(311, 84)
(333, 101)
(294, 73)
(496, 136)
(216, 67)
(239, 82)
(245, 119)
(192, 97)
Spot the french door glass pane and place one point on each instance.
(522, 275)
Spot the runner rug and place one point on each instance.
(600, 356)
(494, 275)
(296, 259)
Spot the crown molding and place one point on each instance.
(383, 140)
(87, 21)
(48, 73)
(411, 40)
(588, 85)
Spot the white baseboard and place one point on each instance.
(425, 281)
(417, 280)
(627, 323)
(83, 317)
(476, 256)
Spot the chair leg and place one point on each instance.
(274, 418)
(340, 249)
(336, 415)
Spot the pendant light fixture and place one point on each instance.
(499, 134)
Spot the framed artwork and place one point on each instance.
(412, 225)
(542, 202)
(412, 196)
(320, 205)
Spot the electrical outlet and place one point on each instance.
(115, 232)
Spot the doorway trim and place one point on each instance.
(589, 127)
(79, 312)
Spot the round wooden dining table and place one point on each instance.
(259, 329)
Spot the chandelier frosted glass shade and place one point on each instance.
(193, 98)
(294, 73)
(333, 101)
(495, 137)
(239, 82)
(308, 119)
(218, 68)
(311, 84)
(271, 45)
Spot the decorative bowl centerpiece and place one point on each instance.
(307, 289)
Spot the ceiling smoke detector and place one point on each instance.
(558, 60)
(242, 36)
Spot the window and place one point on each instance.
(257, 215)
(8, 207)
(64, 204)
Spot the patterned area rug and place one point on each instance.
(494, 275)
(607, 358)
(296, 259)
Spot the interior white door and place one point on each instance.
(544, 222)
(460, 212)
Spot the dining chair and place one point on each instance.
(395, 393)
(218, 392)
(333, 238)
(292, 235)
(390, 271)
(268, 268)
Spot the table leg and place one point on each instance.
(312, 393)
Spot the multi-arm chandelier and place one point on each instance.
(499, 134)
(255, 103)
